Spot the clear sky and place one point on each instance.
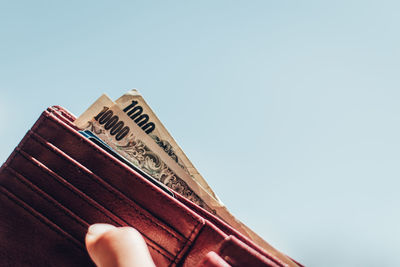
(289, 109)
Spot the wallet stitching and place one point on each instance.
(188, 243)
(49, 199)
(111, 190)
(51, 225)
(226, 245)
(63, 112)
(85, 200)
(118, 194)
(115, 164)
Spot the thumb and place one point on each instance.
(111, 246)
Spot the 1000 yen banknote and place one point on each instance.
(134, 105)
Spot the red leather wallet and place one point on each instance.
(57, 182)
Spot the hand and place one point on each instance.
(111, 246)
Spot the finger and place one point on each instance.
(111, 246)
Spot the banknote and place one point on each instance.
(131, 140)
(134, 105)
(119, 131)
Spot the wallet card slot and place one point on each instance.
(106, 195)
(39, 216)
(51, 209)
(50, 181)
(46, 205)
(80, 204)
(30, 239)
(60, 189)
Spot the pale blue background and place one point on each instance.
(289, 109)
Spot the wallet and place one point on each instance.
(56, 183)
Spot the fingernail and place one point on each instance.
(99, 228)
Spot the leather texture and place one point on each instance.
(56, 183)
